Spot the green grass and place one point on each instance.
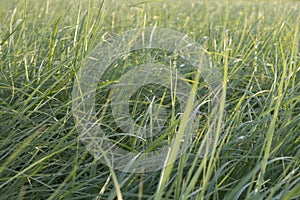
(255, 153)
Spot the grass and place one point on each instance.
(255, 153)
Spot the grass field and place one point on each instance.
(254, 46)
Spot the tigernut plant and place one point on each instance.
(150, 99)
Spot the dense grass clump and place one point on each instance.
(255, 153)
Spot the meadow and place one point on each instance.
(255, 153)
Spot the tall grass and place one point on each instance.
(256, 149)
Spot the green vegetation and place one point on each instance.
(254, 45)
